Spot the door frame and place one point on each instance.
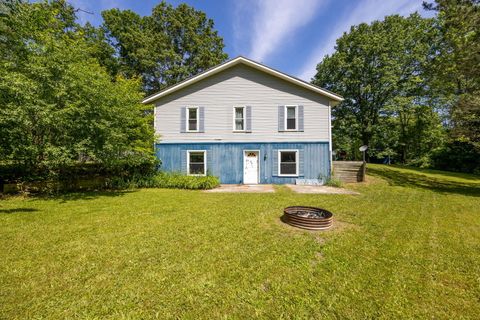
(258, 164)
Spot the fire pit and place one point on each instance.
(310, 218)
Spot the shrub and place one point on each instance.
(177, 180)
(333, 182)
(424, 161)
(140, 165)
(124, 173)
(457, 155)
(165, 180)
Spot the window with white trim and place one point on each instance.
(192, 119)
(291, 117)
(288, 162)
(197, 163)
(239, 119)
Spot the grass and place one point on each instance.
(407, 247)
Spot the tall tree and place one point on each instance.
(100, 48)
(58, 105)
(171, 44)
(379, 68)
(456, 71)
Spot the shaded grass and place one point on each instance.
(402, 249)
(433, 180)
(449, 174)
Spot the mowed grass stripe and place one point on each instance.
(407, 247)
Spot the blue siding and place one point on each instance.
(225, 160)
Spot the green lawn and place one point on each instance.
(407, 247)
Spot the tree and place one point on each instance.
(456, 71)
(58, 105)
(164, 48)
(97, 42)
(455, 74)
(379, 68)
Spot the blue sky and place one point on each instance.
(289, 35)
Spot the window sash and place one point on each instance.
(192, 119)
(192, 125)
(291, 124)
(197, 163)
(288, 162)
(291, 118)
(239, 119)
(239, 125)
(288, 168)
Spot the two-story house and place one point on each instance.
(245, 123)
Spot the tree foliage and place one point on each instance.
(456, 68)
(71, 93)
(411, 87)
(456, 74)
(171, 44)
(380, 70)
(58, 105)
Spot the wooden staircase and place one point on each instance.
(348, 171)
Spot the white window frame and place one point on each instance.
(244, 119)
(297, 162)
(188, 119)
(204, 162)
(296, 117)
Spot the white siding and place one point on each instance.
(242, 86)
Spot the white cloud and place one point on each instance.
(271, 23)
(365, 11)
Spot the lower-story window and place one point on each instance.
(197, 162)
(288, 162)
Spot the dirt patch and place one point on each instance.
(340, 226)
(317, 258)
(266, 286)
(319, 238)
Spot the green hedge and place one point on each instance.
(459, 156)
(128, 166)
(99, 182)
(165, 180)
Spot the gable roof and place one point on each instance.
(248, 62)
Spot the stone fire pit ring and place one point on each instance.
(310, 218)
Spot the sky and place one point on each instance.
(289, 35)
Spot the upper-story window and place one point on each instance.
(239, 119)
(291, 117)
(192, 119)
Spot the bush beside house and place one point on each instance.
(173, 180)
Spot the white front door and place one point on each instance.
(250, 167)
